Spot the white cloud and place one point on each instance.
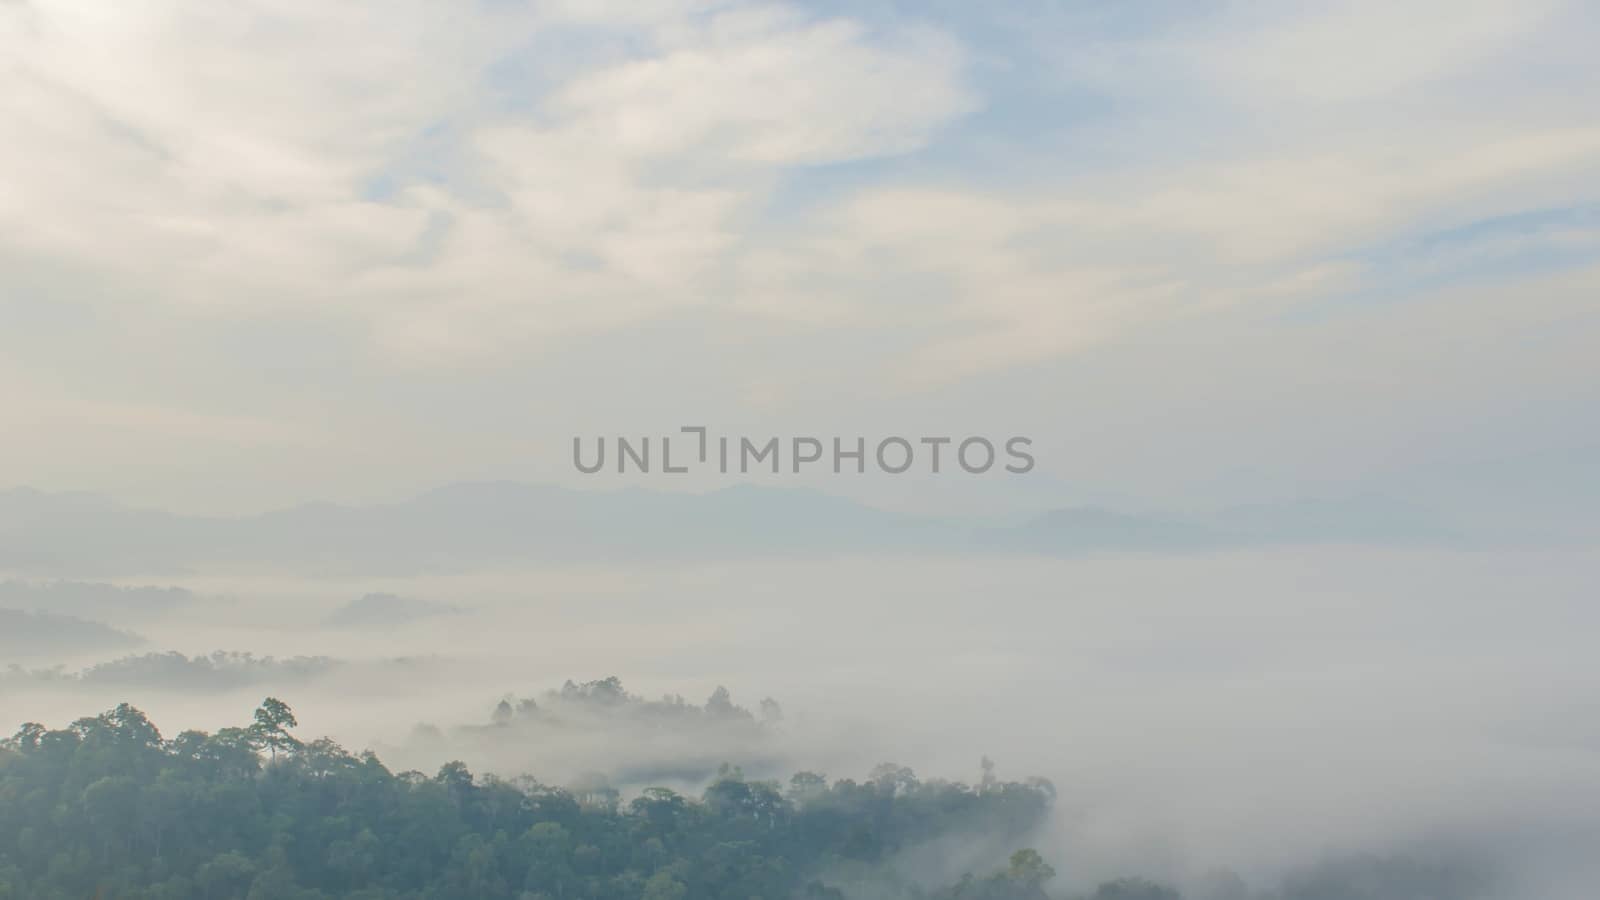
(1263, 153)
(220, 155)
(768, 86)
(1344, 51)
(421, 178)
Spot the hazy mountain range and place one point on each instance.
(475, 524)
(28, 635)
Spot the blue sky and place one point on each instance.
(1202, 252)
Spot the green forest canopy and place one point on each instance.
(108, 808)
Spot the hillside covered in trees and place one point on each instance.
(108, 807)
(627, 738)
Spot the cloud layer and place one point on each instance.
(284, 226)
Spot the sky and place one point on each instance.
(1202, 253)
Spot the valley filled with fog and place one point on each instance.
(1256, 709)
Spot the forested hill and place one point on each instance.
(108, 808)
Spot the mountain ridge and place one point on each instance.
(477, 523)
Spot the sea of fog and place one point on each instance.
(1250, 710)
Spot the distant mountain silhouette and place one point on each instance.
(86, 598)
(1092, 528)
(381, 610)
(25, 635)
(500, 523)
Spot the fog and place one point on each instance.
(1253, 710)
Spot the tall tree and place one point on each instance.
(272, 724)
